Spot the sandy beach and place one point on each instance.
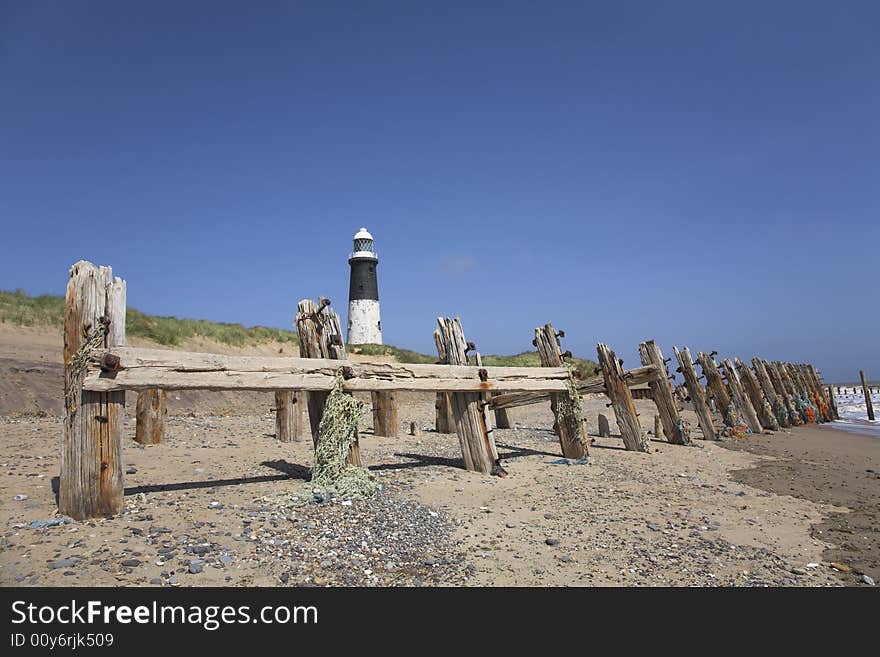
(221, 502)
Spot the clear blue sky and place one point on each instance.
(701, 173)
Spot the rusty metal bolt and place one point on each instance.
(110, 363)
(347, 372)
(535, 342)
(483, 374)
(470, 347)
(713, 354)
(560, 334)
(336, 340)
(565, 354)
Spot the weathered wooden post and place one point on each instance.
(740, 399)
(695, 391)
(825, 392)
(285, 416)
(815, 393)
(384, 413)
(867, 391)
(150, 416)
(320, 336)
(444, 421)
(621, 400)
(779, 385)
(777, 406)
(753, 391)
(604, 428)
(833, 404)
(502, 419)
(90, 482)
(792, 391)
(661, 391)
(566, 406)
(477, 446)
(716, 388)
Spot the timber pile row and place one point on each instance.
(99, 368)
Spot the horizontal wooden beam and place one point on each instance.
(593, 385)
(140, 369)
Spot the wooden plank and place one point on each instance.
(869, 405)
(477, 448)
(695, 392)
(176, 370)
(777, 406)
(91, 480)
(385, 413)
(150, 416)
(756, 397)
(673, 426)
(716, 388)
(739, 398)
(621, 400)
(569, 425)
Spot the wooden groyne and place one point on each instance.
(99, 368)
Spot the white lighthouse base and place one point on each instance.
(363, 322)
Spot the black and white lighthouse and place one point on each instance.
(364, 325)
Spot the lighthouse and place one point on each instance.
(364, 326)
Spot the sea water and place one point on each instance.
(854, 414)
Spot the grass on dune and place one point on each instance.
(48, 310)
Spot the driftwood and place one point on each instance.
(753, 391)
(740, 400)
(621, 400)
(150, 416)
(90, 482)
(673, 426)
(566, 407)
(695, 391)
(477, 446)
